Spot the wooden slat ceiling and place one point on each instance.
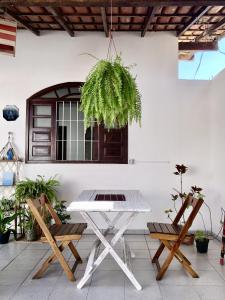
(197, 24)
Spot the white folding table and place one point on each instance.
(131, 204)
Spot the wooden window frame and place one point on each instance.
(105, 146)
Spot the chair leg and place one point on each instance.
(165, 266)
(158, 252)
(183, 260)
(44, 266)
(75, 252)
(63, 262)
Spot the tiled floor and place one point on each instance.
(19, 260)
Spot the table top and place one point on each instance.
(86, 202)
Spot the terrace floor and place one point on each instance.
(19, 260)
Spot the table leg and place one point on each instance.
(108, 249)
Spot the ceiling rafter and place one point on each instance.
(59, 19)
(101, 3)
(212, 29)
(17, 18)
(148, 20)
(203, 10)
(104, 21)
(198, 46)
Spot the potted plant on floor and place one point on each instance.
(202, 241)
(30, 226)
(5, 226)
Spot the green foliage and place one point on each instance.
(5, 221)
(7, 205)
(34, 188)
(110, 95)
(200, 235)
(60, 209)
(28, 220)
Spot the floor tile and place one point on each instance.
(179, 292)
(148, 292)
(210, 292)
(65, 289)
(7, 291)
(135, 238)
(138, 245)
(20, 260)
(108, 285)
(32, 292)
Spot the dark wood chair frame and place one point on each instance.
(173, 239)
(36, 206)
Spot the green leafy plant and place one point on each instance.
(34, 188)
(5, 221)
(110, 95)
(200, 235)
(179, 194)
(7, 205)
(60, 209)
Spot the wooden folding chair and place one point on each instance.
(64, 234)
(172, 235)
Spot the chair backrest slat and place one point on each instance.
(196, 205)
(35, 206)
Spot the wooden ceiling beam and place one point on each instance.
(101, 3)
(148, 20)
(203, 10)
(117, 23)
(199, 46)
(59, 19)
(104, 21)
(17, 18)
(211, 30)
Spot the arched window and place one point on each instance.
(55, 130)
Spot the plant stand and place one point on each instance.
(12, 165)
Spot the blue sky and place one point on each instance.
(212, 63)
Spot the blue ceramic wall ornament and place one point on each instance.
(10, 154)
(10, 112)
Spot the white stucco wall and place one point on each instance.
(217, 146)
(176, 114)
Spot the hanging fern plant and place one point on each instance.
(110, 95)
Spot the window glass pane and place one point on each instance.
(62, 92)
(88, 150)
(73, 110)
(88, 134)
(80, 130)
(42, 122)
(50, 95)
(81, 150)
(73, 150)
(63, 130)
(66, 110)
(80, 114)
(74, 130)
(42, 110)
(59, 110)
(75, 90)
(62, 150)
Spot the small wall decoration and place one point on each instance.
(10, 112)
(8, 152)
(7, 37)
